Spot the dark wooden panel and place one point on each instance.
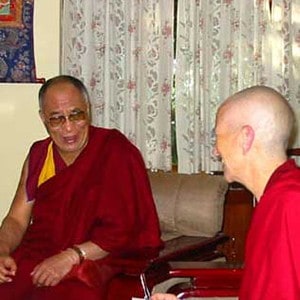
(238, 212)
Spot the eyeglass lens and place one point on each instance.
(75, 116)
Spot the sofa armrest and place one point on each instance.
(195, 248)
(127, 283)
(183, 248)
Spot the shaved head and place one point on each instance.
(265, 110)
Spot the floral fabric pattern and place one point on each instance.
(223, 47)
(123, 51)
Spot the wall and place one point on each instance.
(19, 121)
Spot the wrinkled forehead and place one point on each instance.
(63, 94)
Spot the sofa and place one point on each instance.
(200, 222)
(188, 205)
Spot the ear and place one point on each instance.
(42, 116)
(248, 135)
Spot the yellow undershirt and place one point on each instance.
(48, 169)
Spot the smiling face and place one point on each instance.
(63, 101)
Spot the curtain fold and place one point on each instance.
(123, 51)
(217, 59)
(223, 47)
(281, 54)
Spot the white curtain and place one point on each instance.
(222, 47)
(281, 53)
(123, 52)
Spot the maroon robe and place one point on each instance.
(103, 197)
(272, 263)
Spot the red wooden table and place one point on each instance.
(208, 279)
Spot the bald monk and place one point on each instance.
(83, 200)
(253, 129)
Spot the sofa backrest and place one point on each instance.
(191, 205)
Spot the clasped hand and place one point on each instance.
(52, 270)
(8, 268)
(47, 273)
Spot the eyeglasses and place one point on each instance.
(75, 116)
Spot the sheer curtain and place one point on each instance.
(123, 51)
(218, 53)
(222, 47)
(281, 53)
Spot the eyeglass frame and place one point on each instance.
(61, 119)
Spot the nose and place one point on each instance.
(68, 124)
(216, 153)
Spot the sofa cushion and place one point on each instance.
(188, 204)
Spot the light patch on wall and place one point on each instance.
(7, 108)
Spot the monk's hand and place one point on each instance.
(161, 296)
(53, 269)
(8, 268)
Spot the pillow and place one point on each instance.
(188, 204)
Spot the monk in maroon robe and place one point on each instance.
(253, 129)
(83, 199)
(272, 268)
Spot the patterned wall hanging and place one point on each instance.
(17, 62)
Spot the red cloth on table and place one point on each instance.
(272, 262)
(103, 197)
